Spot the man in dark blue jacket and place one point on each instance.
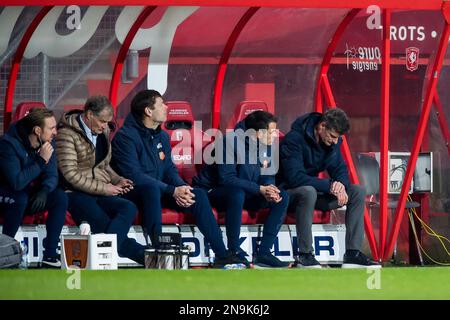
(242, 179)
(29, 178)
(142, 153)
(313, 146)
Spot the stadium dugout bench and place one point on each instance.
(180, 126)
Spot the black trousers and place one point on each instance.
(13, 205)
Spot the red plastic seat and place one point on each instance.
(170, 216)
(180, 126)
(24, 108)
(243, 109)
(248, 217)
(180, 123)
(260, 216)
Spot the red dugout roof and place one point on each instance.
(389, 4)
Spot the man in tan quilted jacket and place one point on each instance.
(84, 151)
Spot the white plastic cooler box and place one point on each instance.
(91, 252)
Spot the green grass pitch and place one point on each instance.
(206, 284)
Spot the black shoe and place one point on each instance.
(268, 260)
(307, 260)
(240, 257)
(49, 263)
(358, 260)
(229, 261)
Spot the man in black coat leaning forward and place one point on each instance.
(313, 146)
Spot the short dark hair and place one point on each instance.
(258, 120)
(97, 104)
(35, 118)
(336, 119)
(142, 100)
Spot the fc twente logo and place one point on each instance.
(412, 58)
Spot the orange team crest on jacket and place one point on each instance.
(162, 156)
